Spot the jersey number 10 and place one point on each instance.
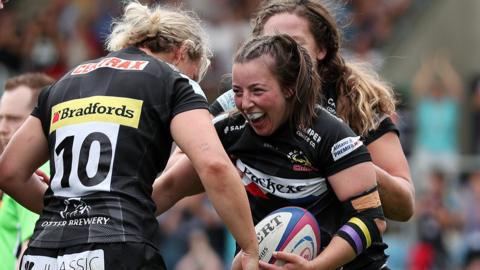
(83, 158)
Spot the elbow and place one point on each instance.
(405, 209)
(214, 174)
(401, 213)
(399, 205)
(407, 213)
(409, 207)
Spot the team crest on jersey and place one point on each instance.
(300, 161)
(110, 62)
(345, 146)
(120, 110)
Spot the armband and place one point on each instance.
(361, 231)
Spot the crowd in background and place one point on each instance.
(54, 36)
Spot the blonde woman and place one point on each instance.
(107, 127)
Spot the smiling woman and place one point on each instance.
(259, 97)
(269, 86)
(277, 115)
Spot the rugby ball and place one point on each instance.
(288, 229)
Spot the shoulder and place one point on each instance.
(384, 125)
(223, 103)
(329, 130)
(326, 120)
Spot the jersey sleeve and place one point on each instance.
(386, 125)
(187, 95)
(41, 109)
(341, 148)
(223, 103)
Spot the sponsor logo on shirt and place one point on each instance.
(120, 110)
(233, 128)
(110, 62)
(345, 146)
(87, 260)
(331, 107)
(76, 213)
(281, 187)
(74, 207)
(300, 161)
(310, 136)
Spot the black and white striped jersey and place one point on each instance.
(107, 122)
(291, 168)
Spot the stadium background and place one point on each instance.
(396, 37)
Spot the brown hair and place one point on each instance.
(292, 67)
(363, 96)
(34, 81)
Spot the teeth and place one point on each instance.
(254, 116)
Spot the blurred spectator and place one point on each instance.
(403, 118)
(10, 53)
(16, 222)
(200, 255)
(435, 216)
(475, 109)
(372, 25)
(472, 261)
(189, 215)
(470, 213)
(44, 47)
(438, 91)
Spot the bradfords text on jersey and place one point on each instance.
(117, 110)
(93, 108)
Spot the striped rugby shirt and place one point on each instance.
(107, 122)
(291, 168)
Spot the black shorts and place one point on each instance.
(107, 256)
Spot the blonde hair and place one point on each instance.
(362, 96)
(160, 29)
(365, 98)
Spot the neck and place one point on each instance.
(163, 56)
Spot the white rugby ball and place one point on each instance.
(288, 229)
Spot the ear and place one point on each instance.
(289, 93)
(180, 53)
(321, 53)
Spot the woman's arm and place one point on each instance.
(25, 152)
(179, 180)
(395, 185)
(194, 133)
